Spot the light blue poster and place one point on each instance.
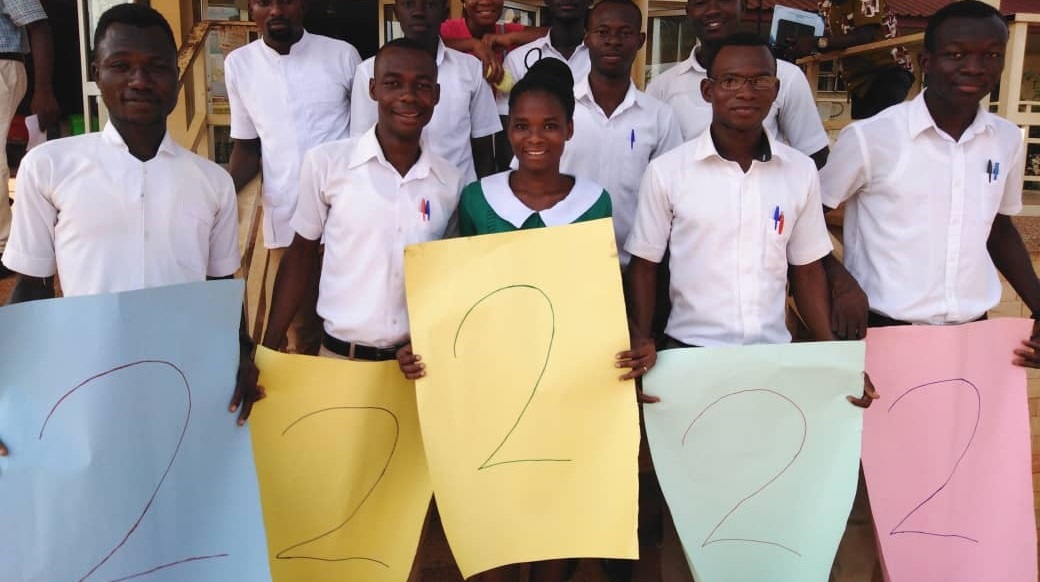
(757, 452)
(124, 461)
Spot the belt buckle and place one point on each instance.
(350, 350)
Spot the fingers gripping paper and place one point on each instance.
(531, 438)
(757, 452)
(125, 463)
(342, 474)
(946, 453)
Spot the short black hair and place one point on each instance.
(136, 15)
(959, 9)
(737, 39)
(628, 3)
(403, 43)
(551, 76)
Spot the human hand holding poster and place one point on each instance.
(946, 453)
(531, 438)
(125, 462)
(342, 473)
(757, 452)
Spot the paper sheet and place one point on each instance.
(757, 452)
(946, 453)
(125, 462)
(342, 472)
(531, 438)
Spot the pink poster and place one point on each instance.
(946, 453)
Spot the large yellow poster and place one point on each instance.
(343, 478)
(531, 438)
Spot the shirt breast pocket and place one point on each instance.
(634, 164)
(322, 102)
(774, 256)
(189, 241)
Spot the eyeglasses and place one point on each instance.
(735, 82)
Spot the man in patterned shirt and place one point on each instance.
(874, 80)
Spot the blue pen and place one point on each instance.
(776, 217)
(632, 140)
(996, 170)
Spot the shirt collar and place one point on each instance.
(294, 49)
(919, 119)
(441, 52)
(507, 206)
(368, 149)
(112, 137)
(705, 147)
(691, 64)
(545, 44)
(583, 93)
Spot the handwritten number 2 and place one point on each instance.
(710, 538)
(284, 554)
(155, 492)
(978, 416)
(491, 461)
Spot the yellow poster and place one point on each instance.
(531, 438)
(343, 479)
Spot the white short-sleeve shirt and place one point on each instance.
(367, 213)
(732, 236)
(793, 117)
(614, 151)
(523, 57)
(291, 102)
(106, 222)
(920, 209)
(466, 109)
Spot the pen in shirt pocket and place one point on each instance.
(778, 220)
(632, 140)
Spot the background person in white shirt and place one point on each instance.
(369, 196)
(288, 91)
(565, 41)
(618, 129)
(465, 119)
(793, 117)
(931, 184)
(126, 208)
(738, 212)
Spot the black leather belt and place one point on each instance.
(875, 319)
(357, 351)
(12, 57)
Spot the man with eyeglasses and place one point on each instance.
(738, 211)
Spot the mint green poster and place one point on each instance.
(757, 452)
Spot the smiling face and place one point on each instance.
(483, 13)
(538, 130)
(714, 20)
(136, 72)
(278, 20)
(613, 38)
(404, 87)
(967, 60)
(743, 108)
(421, 19)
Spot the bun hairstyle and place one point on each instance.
(551, 76)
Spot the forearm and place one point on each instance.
(1011, 258)
(529, 34)
(813, 299)
(244, 163)
(41, 42)
(839, 279)
(465, 45)
(31, 289)
(640, 296)
(294, 274)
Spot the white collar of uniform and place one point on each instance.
(691, 64)
(112, 137)
(704, 148)
(919, 119)
(501, 199)
(367, 148)
(441, 52)
(583, 93)
(295, 48)
(545, 44)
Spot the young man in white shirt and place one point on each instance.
(126, 208)
(793, 116)
(465, 118)
(288, 91)
(740, 214)
(618, 129)
(565, 41)
(369, 196)
(930, 186)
